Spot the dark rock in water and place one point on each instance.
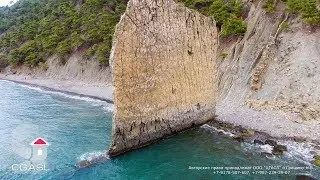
(82, 164)
(305, 177)
(316, 160)
(248, 133)
(239, 138)
(89, 162)
(299, 139)
(271, 142)
(240, 129)
(313, 152)
(220, 133)
(282, 147)
(257, 141)
(279, 149)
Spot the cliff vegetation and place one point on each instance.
(229, 15)
(33, 30)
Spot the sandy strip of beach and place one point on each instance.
(93, 90)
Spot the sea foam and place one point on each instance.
(95, 102)
(214, 129)
(300, 151)
(93, 155)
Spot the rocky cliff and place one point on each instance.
(164, 72)
(76, 69)
(271, 67)
(269, 79)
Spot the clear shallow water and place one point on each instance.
(80, 128)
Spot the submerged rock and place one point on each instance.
(305, 177)
(220, 133)
(257, 141)
(239, 138)
(240, 129)
(279, 149)
(91, 161)
(316, 160)
(271, 142)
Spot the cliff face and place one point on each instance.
(76, 69)
(164, 72)
(272, 68)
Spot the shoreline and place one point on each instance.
(304, 150)
(60, 91)
(97, 92)
(276, 124)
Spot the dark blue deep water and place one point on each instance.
(79, 128)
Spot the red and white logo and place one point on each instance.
(39, 150)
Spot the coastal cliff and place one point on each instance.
(164, 72)
(269, 78)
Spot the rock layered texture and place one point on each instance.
(76, 69)
(164, 72)
(273, 68)
(270, 79)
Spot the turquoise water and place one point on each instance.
(79, 128)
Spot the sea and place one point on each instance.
(79, 129)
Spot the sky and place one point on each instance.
(6, 2)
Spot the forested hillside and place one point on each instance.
(32, 30)
(230, 14)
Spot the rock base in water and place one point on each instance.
(164, 72)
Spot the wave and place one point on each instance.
(251, 147)
(214, 129)
(109, 107)
(89, 156)
(95, 102)
(32, 87)
(302, 152)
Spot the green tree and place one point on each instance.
(310, 12)
(16, 56)
(294, 6)
(91, 51)
(3, 61)
(233, 26)
(220, 11)
(236, 7)
(64, 48)
(32, 60)
(76, 40)
(270, 6)
(307, 8)
(50, 43)
(103, 53)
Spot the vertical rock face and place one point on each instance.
(271, 68)
(164, 72)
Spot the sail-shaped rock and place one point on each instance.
(164, 72)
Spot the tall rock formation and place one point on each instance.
(164, 72)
